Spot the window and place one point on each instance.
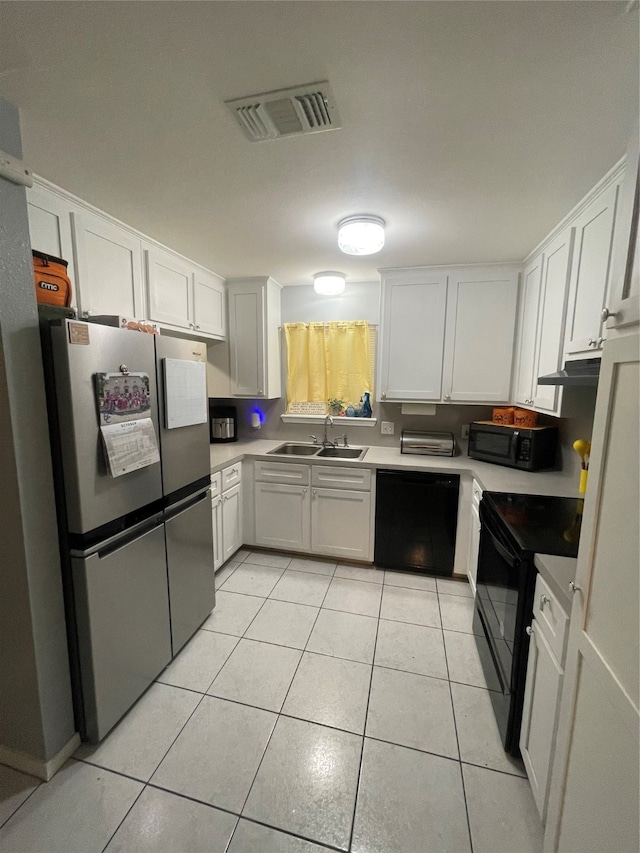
(329, 361)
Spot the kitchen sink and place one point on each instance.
(290, 449)
(343, 452)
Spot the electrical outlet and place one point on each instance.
(464, 431)
(387, 428)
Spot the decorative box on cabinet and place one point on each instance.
(254, 337)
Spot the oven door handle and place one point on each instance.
(509, 556)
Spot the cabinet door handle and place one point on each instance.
(573, 588)
(197, 327)
(304, 491)
(606, 314)
(384, 395)
(260, 391)
(447, 396)
(543, 601)
(600, 341)
(314, 492)
(529, 630)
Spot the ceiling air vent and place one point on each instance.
(287, 112)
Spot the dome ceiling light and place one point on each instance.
(329, 283)
(361, 235)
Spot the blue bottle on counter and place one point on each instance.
(366, 406)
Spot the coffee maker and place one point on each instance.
(223, 423)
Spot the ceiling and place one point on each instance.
(472, 128)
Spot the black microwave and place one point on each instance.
(529, 449)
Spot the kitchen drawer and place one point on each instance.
(282, 472)
(476, 493)
(332, 477)
(552, 619)
(231, 476)
(216, 484)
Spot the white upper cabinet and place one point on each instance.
(183, 296)
(209, 304)
(480, 327)
(50, 227)
(170, 288)
(590, 270)
(447, 334)
(116, 270)
(254, 337)
(531, 281)
(109, 267)
(412, 340)
(554, 290)
(623, 308)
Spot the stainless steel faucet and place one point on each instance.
(328, 421)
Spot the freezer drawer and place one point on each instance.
(122, 623)
(189, 535)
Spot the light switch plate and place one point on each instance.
(387, 428)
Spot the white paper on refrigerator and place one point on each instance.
(185, 392)
(130, 445)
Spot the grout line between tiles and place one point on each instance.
(129, 810)
(455, 726)
(282, 706)
(366, 715)
(28, 797)
(284, 832)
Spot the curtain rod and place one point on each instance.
(339, 323)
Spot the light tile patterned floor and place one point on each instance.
(321, 707)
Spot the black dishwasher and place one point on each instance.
(416, 519)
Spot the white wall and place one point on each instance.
(36, 715)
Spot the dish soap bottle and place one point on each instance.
(366, 406)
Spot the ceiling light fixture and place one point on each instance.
(361, 235)
(329, 283)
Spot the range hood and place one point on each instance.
(584, 371)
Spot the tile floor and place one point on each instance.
(320, 707)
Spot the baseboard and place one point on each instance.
(44, 770)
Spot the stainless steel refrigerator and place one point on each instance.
(136, 547)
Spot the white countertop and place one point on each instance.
(493, 478)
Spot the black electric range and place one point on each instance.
(513, 528)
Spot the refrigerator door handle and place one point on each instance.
(187, 503)
(119, 540)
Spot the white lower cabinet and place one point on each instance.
(340, 523)
(216, 518)
(542, 691)
(318, 509)
(282, 516)
(474, 535)
(226, 513)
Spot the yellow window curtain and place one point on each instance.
(328, 360)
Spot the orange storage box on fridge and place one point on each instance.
(53, 285)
